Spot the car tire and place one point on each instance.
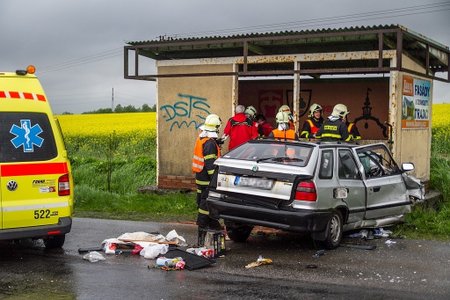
(238, 232)
(334, 231)
(54, 241)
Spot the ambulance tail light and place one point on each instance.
(64, 185)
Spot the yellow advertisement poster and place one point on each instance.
(416, 101)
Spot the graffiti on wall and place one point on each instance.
(187, 111)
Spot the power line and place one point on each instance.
(325, 21)
(390, 13)
(83, 60)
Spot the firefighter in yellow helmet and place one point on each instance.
(283, 132)
(313, 123)
(206, 151)
(334, 127)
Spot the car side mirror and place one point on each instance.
(406, 167)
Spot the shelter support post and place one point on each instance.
(296, 96)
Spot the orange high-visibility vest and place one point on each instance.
(198, 160)
(284, 134)
(313, 127)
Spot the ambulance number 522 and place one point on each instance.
(42, 214)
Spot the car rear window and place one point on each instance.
(283, 153)
(26, 136)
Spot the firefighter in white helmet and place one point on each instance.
(334, 127)
(283, 131)
(206, 151)
(250, 112)
(284, 108)
(313, 123)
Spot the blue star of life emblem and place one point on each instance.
(26, 135)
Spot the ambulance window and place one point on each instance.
(26, 136)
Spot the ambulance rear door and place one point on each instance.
(30, 169)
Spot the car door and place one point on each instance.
(386, 191)
(350, 178)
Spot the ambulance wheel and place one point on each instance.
(54, 241)
(238, 232)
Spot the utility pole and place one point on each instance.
(112, 100)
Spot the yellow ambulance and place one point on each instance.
(36, 185)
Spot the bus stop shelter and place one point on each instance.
(384, 74)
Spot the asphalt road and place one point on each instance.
(405, 269)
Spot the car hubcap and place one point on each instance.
(335, 229)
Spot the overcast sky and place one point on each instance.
(77, 45)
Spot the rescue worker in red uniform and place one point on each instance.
(264, 127)
(283, 132)
(334, 127)
(206, 151)
(313, 123)
(239, 128)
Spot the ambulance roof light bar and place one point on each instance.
(30, 70)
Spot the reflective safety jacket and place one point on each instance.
(288, 134)
(240, 129)
(333, 130)
(310, 127)
(206, 151)
(353, 131)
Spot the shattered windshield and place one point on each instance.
(276, 152)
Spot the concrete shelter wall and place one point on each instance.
(183, 104)
(414, 144)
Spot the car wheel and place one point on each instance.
(238, 232)
(54, 241)
(334, 231)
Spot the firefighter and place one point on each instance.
(283, 132)
(334, 127)
(250, 112)
(352, 129)
(239, 128)
(206, 151)
(313, 123)
(284, 108)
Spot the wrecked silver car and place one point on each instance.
(319, 188)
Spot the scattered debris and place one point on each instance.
(311, 266)
(170, 264)
(370, 234)
(192, 261)
(380, 232)
(259, 262)
(93, 256)
(390, 242)
(362, 247)
(152, 251)
(318, 253)
(89, 249)
(202, 251)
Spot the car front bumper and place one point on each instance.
(297, 220)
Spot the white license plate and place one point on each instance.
(261, 183)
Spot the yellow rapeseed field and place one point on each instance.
(441, 115)
(441, 122)
(106, 124)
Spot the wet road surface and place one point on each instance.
(406, 269)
